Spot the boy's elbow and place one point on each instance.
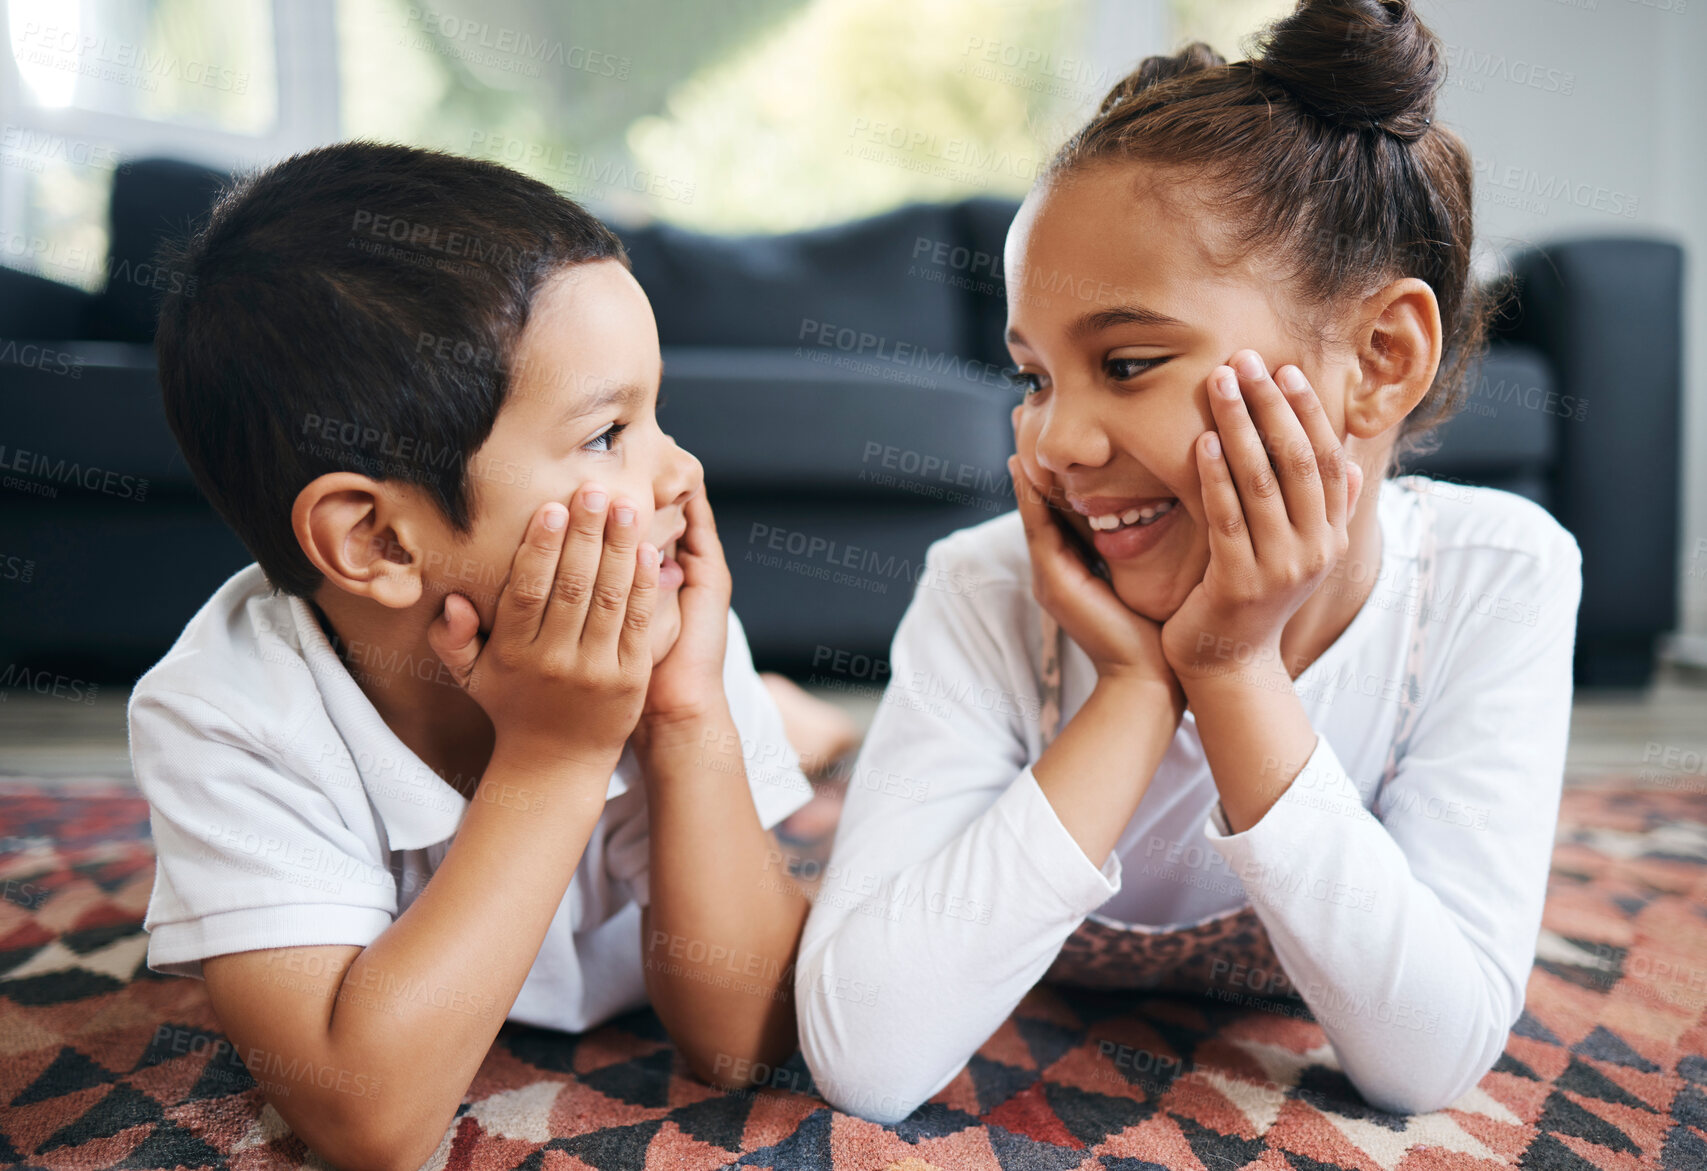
(377, 1140)
(735, 1067)
(376, 1151)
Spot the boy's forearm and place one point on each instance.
(1248, 720)
(1099, 767)
(421, 1005)
(725, 918)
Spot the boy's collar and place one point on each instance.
(416, 807)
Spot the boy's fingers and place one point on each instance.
(634, 648)
(609, 599)
(701, 535)
(701, 545)
(578, 566)
(454, 637)
(522, 602)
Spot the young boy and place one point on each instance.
(487, 642)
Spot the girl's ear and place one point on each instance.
(1398, 351)
(361, 536)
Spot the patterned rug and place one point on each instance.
(104, 1064)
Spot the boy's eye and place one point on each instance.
(605, 440)
(1124, 369)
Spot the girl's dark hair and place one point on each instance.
(356, 308)
(1322, 150)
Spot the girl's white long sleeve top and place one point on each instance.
(1408, 925)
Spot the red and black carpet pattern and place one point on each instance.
(104, 1064)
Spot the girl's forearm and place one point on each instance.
(929, 960)
(1099, 767)
(724, 920)
(1256, 737)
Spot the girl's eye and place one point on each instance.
(1126, 369)
(1025, 382)
(605, 440)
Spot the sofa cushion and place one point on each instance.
(100, 413)
(153, 200)
(771, 422)
(781, 291)
(1508, 425)
(37, 308)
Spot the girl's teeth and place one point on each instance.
(1132, 516)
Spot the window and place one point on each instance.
(738, 116)
(89, 84)
(747, 115)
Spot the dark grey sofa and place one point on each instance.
(844, 389)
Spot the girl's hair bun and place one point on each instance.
(1357, 63)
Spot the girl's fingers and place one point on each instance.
(1245, 460)
(1224, 515)
(1286, 447)
(1325, 446)
(1033, 506)
(1049, 551)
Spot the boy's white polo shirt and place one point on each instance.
(286, 812)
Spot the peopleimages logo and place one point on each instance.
(46, 471)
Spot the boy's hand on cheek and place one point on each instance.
(563, 673)
(688, 683)
(1120, 642)
(1275, 530)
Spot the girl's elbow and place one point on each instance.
(1408, 1098)
(866, 1086)
(875, 1099)
(852, 1060)
(1431, 1077)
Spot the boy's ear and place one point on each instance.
(1398, 350)
(360, 534)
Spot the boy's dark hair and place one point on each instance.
(355, 308)
(1323, 149)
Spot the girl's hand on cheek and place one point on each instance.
(1119, 641)
(1275, 530)
(688, 683)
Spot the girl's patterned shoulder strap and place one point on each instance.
(1410, 702)
(1422, 588)
(1049, 718)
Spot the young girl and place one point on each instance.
(1230, 710)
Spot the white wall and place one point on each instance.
(1605, 99)
(1634, 124)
